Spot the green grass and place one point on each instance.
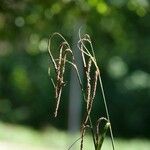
(52, 139)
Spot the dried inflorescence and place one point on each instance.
(92, 75)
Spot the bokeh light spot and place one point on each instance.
(19, 21)
(43, 45)
(117, 68)
(20, 78)
(102, 8)
(137, 80)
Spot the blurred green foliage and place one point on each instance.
(120, 31)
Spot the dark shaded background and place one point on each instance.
(120, 31)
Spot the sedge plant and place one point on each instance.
(88, 91)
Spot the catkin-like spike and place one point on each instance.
(64, 50)
(88, 98)
(93, 91)
(95, 84)
(59, 78)
(88, 89)
(83, 58)
(59, 81)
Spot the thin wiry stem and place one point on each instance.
(107, 112)
(49, 73)
(49, 46)
(74, 143)
(77, 71)
(83, 130)
(83, 58)
(92, 130)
